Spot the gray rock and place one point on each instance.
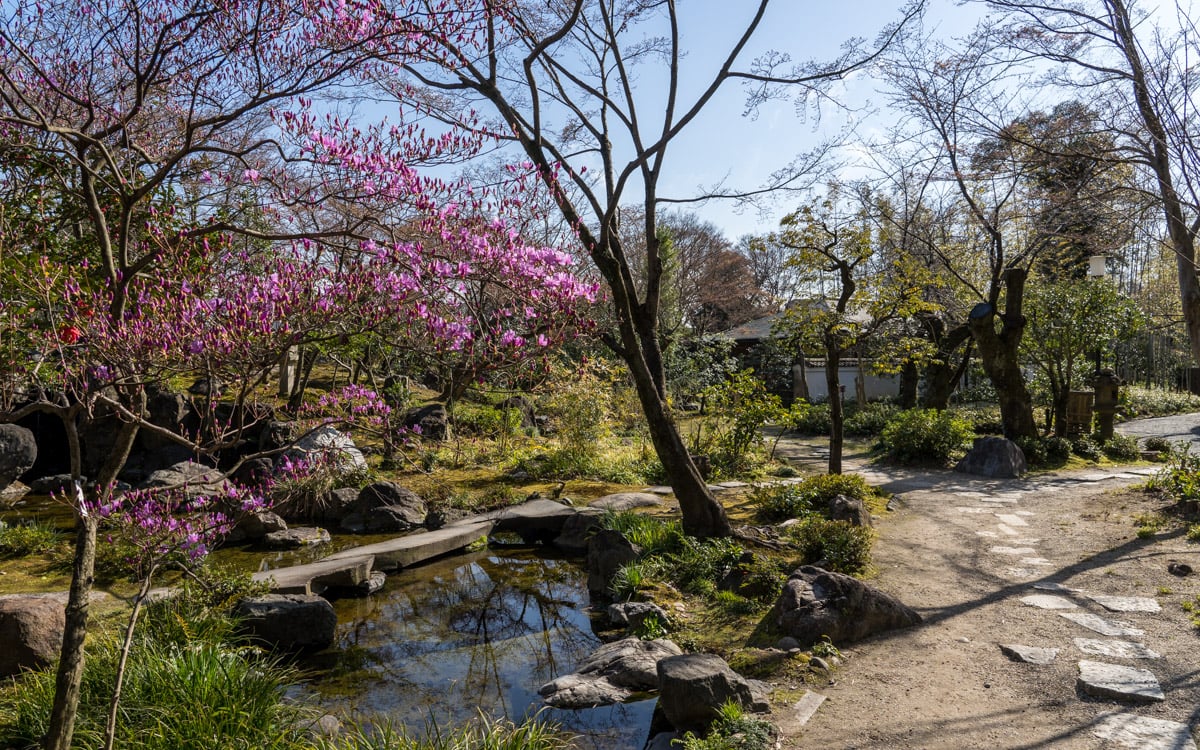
(1115, 649)
(196, 479)
(535, 521)
(55, 483)
(576, 531)
(1119, 682)
(633, 614)
(608, 550)
(295, 538)
(612, 674)
(817, 602)
(329, 445)
(788, 643)
(849, 509)
(522, 406)
(18, 451)
(619, 501)
(385, 507)
(289, 622)
(326, 726)
(994, 457)
(1144, 732)
(257, 525)
(1029, 654)
(373, 584)
(431, 419)
(276, 435)
(693, 687)
(31, 632)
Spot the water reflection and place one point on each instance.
(477, 632)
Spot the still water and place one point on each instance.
(472, 633)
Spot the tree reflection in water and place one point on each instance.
(477, 632)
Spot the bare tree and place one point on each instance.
(562, 79)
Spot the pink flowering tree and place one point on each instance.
(186, 213)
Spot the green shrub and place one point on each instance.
(28, 537)
(844, 547)
(869, 420)
(815, 420)
(1193, 533)
(578, 405)
(1086, 447)
(731, 431)
(925, 435)
(1034, 449)
(984, 420)
(1138, 401)
(732, 730)
(812, 495)
(698, 564)
(1122, 448)
(1180, 477)
(485, 420)
(1160, 444)
(1057, 448)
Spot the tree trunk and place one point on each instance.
(909, 380)
(999, 353)
(69, 676)
(837, 417)
(942, 375)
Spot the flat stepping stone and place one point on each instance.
(415, 548)
(1101, 625)
(1011, 519)
(732, 485)
(998, 500)
(1093, 477)
(791, 722)
(314, 578)
(1145, 471)
(1007, 530)
(1144, 733)
(660, 489)
(1126, 603)
(975, 510)
(1013, 550)
(619, 501)
(1050, 586)
(1039, 561)
(1049, 601)
(1115, 649)
(988, 534)
(1120, 682)
(1029, 654)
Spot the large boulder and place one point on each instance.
(619, 501)
(196, 479)
(385, 507)
(430, 421)
(816, 602)
(522, 406)
(849, 509)
(326, 444)
(995, 457)
(612, 674)
(693, 687)
(296, 537)
(576, 531)
(289, 622)
(607, 551)
(18, 451)
(31, 633)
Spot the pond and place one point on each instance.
(472, 633)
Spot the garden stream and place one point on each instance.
(464, 635)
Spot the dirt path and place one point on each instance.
(964, 552)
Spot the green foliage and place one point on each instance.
(925, 435)
(200, 610)
(815, 420)
(28, 537)
(570, 464)
(1193, 533)
(629, 580)
(578, 404)
(1086, 447)
(825, 649)
(485, 420)
(844, 547)
(1057, 448)
(732, 730)
(1035, 450)
(870, 419)
(655, 536)
(650, 628)
(1192, 607)
(1160, 444)
(984, 419)
(308, 493)
(1139, 401)
(1122, 448)
(698, 564)
(736, 604)
(483, 734)
(198, 697)
(737, 411)
(1180, 477)
(812, 495)
(696, 364)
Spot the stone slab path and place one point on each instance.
(1049, 623)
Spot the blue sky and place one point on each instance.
(724, 144)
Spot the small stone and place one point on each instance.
(1144, 733)
(1115, 649)
(295, 538)
(1029, 654)
(1126, 603)
(1179, 569)
(1119, 682)
(1049, 601)
(1101, 625)
(791, 722)
(818, 663)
